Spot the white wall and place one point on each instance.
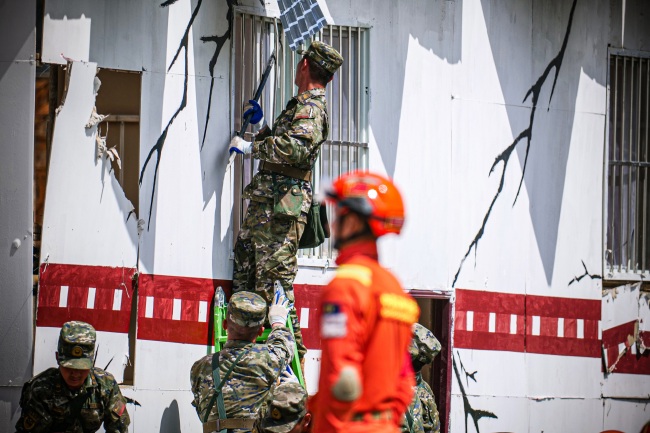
(448, 95)
(17, 87)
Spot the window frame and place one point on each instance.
(617, 272)
(351, 143)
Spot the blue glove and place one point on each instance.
(255, 111)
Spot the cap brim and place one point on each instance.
(278, 428)
(77, 363)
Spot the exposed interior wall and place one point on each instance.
(17, 93)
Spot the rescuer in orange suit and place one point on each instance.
(366, 377)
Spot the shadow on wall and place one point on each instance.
(543, 139)
(171, 420)
(437, 27)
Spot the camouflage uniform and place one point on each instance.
(267, 244)
(249, 385)
(47, 402)
(423, 349)
(286, 409)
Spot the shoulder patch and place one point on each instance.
(334, 322)
(359, 273)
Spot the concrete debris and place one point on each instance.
(104, 151)
(95, 118)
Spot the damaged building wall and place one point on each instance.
(183, 224)
(500, 162)
(88, 227)
(17, 87)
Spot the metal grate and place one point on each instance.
(300, 19)
(628, 205)
(346, 148)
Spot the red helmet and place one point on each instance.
(373, 196)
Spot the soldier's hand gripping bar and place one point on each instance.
(258, 92)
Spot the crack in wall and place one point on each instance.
(467, 374)
(534, 93)
(220, 41)
(160, 143)
(586, 274)
(476, 414)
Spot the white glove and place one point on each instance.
(239, 145)
(279, 309)
(288, 376)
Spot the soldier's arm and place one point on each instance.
(296, 145)
(202, 385)
(280, 345)
(116, 417)
(34, 417)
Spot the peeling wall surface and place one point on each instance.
(491, 115)
(17, 88)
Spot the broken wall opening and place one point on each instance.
(119, 99)
(435, 315)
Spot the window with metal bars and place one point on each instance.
(627, 253)
(346, 148)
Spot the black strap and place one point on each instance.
(219, 383)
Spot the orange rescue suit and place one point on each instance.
(366, 321)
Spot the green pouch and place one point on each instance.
(317, 227)
(287, 198)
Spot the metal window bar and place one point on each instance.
(628, 165)
(346, 149)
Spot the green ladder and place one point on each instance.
(221, 335)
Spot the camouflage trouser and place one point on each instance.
(266, 251)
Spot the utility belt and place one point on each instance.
(372, 415)
(286, 170)
(228, 423)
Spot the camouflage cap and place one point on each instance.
(323, 54)
(247, 309)
(286, 409)
(76, 348)
(424, 345)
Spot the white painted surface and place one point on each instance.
(17, 89)
(444, 104)
(85, 219)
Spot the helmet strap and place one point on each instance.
(364, 232)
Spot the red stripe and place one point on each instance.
(548, 326)
(164, 289)
(460, 321)
(102, 320)
(79, 279)
(548, 309)
(612, 337)
(308, 296)
(481, 321)
(546, 306)
(503, 323)
(174, 331)
(563, 346)
(488, 341)
(489, 302)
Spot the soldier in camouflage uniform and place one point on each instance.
(267, 243)
(76, 397)
(423, 410)
(287, 411)
(255, 367)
